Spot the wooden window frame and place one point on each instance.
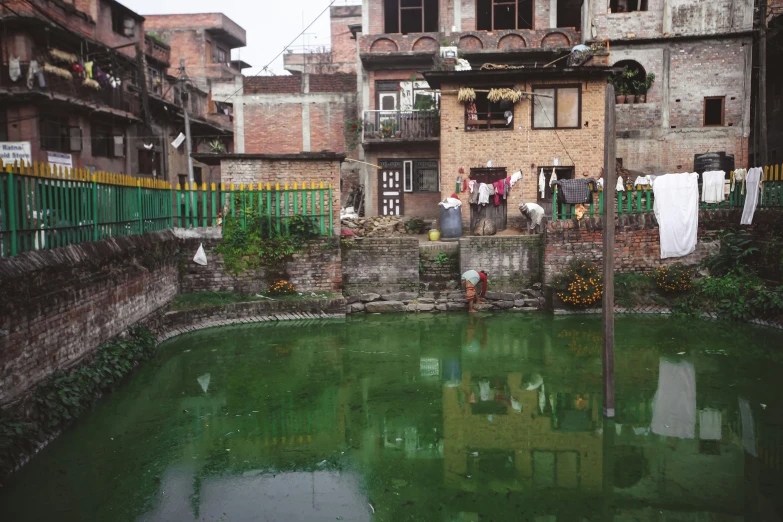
(722, 111)
(400, 9)
(515, 3)
(554, 116)
(505, 128)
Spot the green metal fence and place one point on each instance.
(641, 200)
(44, 206)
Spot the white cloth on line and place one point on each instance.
(677, 211)
(450, 203)
(471, 185)
(514, 178)
(553, 177)
(14, 68)
(748, 430)
(542, 184)
(712, 186)
(739, 176)
(753, 183)
(620, 187)
(643, 181)
(483, 198)
(710, 421)
(674, 404)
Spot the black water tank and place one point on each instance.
(713, 161)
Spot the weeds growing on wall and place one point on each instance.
(63, 396)
(250, 240)
(581, 285)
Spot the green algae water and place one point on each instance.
(428, 418)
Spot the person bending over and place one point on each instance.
(471, 280)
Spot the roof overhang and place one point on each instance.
(437, 78)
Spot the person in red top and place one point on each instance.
(471, 280)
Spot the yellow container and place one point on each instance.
(434, 235)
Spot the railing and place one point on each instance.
(400, 125)
(157, 50)
(276, 207)
(486, 121)
(44, 206)
(641, 200)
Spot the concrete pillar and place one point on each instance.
(239, 114)
(305, 125)
(457, 15)
(552, 13)
(665, 95)
(586, 20)
(667, 17)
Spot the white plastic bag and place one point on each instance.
(201, 256)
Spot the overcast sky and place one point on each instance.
(270, 24)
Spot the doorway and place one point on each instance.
(546, 200)
(390, 200)
(498, 214)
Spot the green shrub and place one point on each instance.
(736, 253)
(632, 289)
(673, 279)
(279, 288)
(581, 285)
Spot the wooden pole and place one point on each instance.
(763, 160)
(610, 180)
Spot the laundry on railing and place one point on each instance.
(574, 191)
(753, 182)
(713, 186)
(739, 176)
(677, 211)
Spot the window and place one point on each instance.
(627, 6)
(388, 95)
(410, 16)
(421, 176)
(219, 55)
(569, 14)
(484, 114)
(197, 175)
(105, 143)
(56, 135)
(149, 162)
(121, 23)
(557, 107)
(156, 81)
(714, 111)
(496, 15)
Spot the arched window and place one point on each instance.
(634, 80)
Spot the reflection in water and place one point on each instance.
(442, 418)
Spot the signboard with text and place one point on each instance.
(61, 159)
(11, 151)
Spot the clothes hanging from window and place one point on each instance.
(712, 186)
(88, 69)
(483, 194)
(471, 185)
(710, 421)
(674, 404)
(14, 68)
(500, 190)
(553, 177)
(542, 184)
(753, 181)
(472, 115)
(514, 178)
(575, 191)
(31, 73)
(677, 211)
(473, 197)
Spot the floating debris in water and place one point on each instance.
(680, 353)
(373, 509)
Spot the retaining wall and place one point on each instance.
(512, 263)
(380, 265)
(57, 306)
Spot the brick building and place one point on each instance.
(83, 85)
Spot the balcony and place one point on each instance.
(400, 126)
(157, 50)
(390, 47)
(68, 90)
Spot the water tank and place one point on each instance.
(713, 161)
(450, 222)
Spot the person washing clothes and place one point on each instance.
(471, 280)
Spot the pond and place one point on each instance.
(428, 418)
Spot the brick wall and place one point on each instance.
(517, 149)
(637, 241)
(295, 168)
(381, 266)
(511, 262)
(317, 269)
(273, 128)
(437, 268)
(57, 306)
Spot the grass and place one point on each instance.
(633, 289)
(200, 300)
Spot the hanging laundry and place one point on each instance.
(14, 68)
(753, 181)
(677, 211)
(573, 191)
(553, 177)
(674, 404)
(620, 186)
(514, 178)
(483, 192)
(500, 190)
(473, 197)
(472, 115)
(88, 69)
(465, 185)
(712, 186)
(542, 184)
(471, 185)
(748, 429)
(31, 72)
(739, 176)
(710, 421)
(41, 79)
(643, 181)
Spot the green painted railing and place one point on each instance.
(203, 207)
(641, 200)
(44, 206)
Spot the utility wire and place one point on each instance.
(264, 68)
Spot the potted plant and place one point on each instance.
(386, 129)
(645, 86)
(619, 89)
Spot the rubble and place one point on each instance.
(443, 301)
(385, 226)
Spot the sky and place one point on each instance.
(270, 24)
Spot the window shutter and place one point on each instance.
(407, 176)
(75, 139)
(118, 150)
